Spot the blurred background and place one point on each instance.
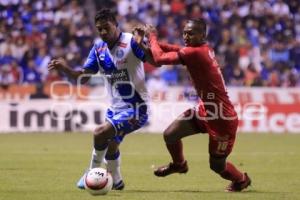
(257, 43)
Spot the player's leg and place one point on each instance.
(219, 149)
(181, 127)
(113, 158)
(228, 171)
(102, 135)
(124, 122)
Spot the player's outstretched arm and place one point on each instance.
(166, 47)
(61, 66)
(161, 57)
(138, 36)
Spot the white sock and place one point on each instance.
(113, 166)
(104, 163)
(97, 157)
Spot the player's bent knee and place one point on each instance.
(104, 133)
(101, 132)
(98, 131)
(168, 137)
(113, 148)
(217, 165)
(171, 138)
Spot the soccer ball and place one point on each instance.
(98, 181)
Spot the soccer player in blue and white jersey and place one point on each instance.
(120, 59)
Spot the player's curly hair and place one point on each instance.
(106, 15)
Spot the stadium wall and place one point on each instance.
(260, 110)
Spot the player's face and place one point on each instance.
(191, 35)
(107, 31)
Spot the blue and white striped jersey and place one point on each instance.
(124, 71)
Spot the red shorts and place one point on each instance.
(222, 132)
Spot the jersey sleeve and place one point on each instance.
(168, 47)
(91, 62)
(186, 53)
(161, 57)
(137, 51)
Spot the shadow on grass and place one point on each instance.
(204, 191)
(171, 191)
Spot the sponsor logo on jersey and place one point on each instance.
(102, 56)
(122, 61)
(122, 44)
(119, 75)
(120, 53)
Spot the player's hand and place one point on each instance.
(139, 33)
(150, 29)
(58, 64)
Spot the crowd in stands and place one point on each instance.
(35, 31)
(257, 42)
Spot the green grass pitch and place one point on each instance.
(47, 166)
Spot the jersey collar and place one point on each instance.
(116, 41)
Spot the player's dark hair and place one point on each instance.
(106, 15)
(200, 24)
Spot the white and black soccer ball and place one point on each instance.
(98, 181)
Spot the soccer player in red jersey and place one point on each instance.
(214, 114)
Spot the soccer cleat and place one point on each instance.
(80, 183)
(171, 168)
(239, 186)
(119, 186)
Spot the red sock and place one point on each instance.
(232, 173)
(176, 151)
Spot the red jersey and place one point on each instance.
(205, 73)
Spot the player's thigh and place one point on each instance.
(222, 137)
(105, 130)
(220, 146)
(103, 134)
(186, 124)
(126, 122)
